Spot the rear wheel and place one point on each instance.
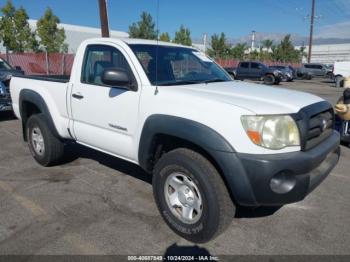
(46, 149)
(191, 196)
(269, 79)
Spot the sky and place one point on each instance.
(236, 18)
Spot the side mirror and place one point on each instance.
(18, 68)
(117, 78)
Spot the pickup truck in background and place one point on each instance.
(232, 71)
(287, 72)
(6, 71)
(258, 71)
(209, 142)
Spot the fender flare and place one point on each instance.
(194, 132)
(206, 138)
(27, 95)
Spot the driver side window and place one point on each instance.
(99, 58)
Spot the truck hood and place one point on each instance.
(259, 99)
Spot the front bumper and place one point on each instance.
(277, 179)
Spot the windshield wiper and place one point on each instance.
(213, 80)
(189, 82)
(184, 82)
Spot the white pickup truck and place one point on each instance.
(211, 143)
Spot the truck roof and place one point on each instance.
(131, 41)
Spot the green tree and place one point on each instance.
(145, 28)
(15, 32)
(265, 50)
(25, 38)
(51, 37)
(164, 37)
(286, 52)
(219, 47)
(183, 36)
(267, 43)
(238, 51)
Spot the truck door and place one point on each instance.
(105, 117)
(243, 70)
(255, 70)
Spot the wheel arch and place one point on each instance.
(200, 138)
(158, 127)
(30, 103)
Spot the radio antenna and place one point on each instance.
(156, 91)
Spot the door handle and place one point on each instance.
(78, 96)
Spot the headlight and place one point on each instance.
(273, 132)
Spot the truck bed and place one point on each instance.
(51, 78)
(51, 89)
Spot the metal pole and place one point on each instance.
(7, 56)
(47, 63)
(104, 18)
(311, 30)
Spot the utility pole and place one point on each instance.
(311, 30)
(104, 18)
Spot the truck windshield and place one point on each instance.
(177, 65)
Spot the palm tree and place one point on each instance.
(267, 43)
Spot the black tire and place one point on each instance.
(53, 151)
(339, 81)
(218, 209)
(269, 79)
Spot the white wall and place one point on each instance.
(328, 54)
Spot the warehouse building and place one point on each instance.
(328, 54)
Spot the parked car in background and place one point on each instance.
(314, 69)
(6, 71)
(232, 71)
(287, 73)
(208, 142)
(341, 70)
(330, 68)
(302, 74)
(258, 71)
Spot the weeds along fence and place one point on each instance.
(41, 63)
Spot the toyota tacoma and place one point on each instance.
(211, 143)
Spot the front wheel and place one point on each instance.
(191, 196)
(269, 79)
(46, 149)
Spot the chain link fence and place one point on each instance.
(41, 63)
(61, 64)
